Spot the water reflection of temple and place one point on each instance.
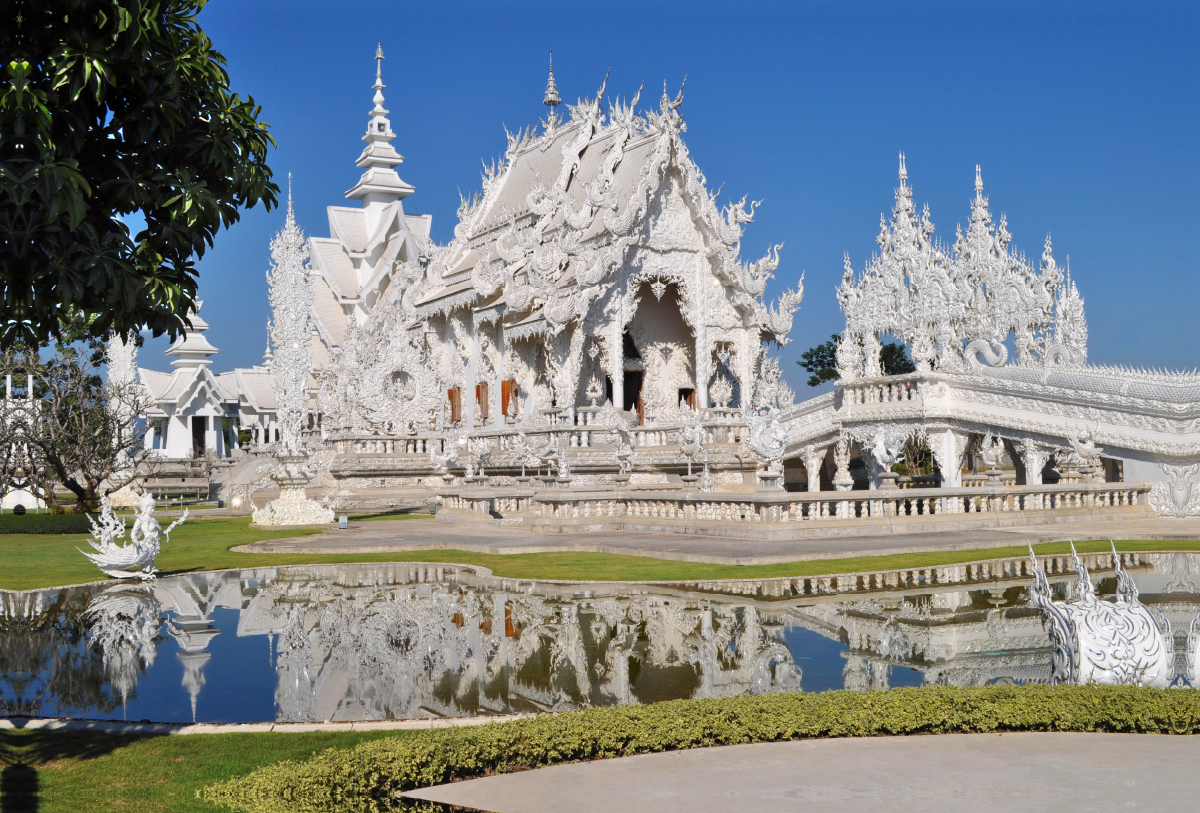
(403, 641)
(440, 644)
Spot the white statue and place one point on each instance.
(691, 438)
(991, 450)
(1112, 643)
(443, 461)
(134, 560)
(767, 438)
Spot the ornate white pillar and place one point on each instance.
(948, 447)
(616, 344)
(470, 409)
(1034, 457)
(842, 480)
(496, 389)
(814, 460)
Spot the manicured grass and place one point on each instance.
(35, 561)
(74, 771)
(388, 515)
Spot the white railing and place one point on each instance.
(799, 507)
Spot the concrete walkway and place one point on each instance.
(380, 536)
(950, 773)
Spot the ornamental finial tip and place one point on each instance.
(551, 99)
(978, 180)
(903, 169)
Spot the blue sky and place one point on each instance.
(1085, 118)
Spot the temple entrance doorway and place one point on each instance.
(633, 391)
(199, 426)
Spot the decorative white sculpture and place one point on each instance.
(1107, 642)
(291, 333)
(134, 560)
(691, 439)
(767, 438)
(955, 309)
(991, 451)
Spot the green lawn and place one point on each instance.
(74, 771)
(388, 515)
(39, 560)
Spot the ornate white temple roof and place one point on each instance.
(352, 265)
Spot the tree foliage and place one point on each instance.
(821, 360)
(113, 108)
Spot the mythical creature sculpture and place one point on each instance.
(991, 450)
(691, 437)
(444, 460)
(134, 560)
(1095, 641)
(766, 436)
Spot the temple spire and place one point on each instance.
(379, 85)
(552, 98)
(291, 214)
(379, 183)
(978, 181)
(903, 169)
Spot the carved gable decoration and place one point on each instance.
(957, 308)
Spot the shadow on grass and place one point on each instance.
(23, 752)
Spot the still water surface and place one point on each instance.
(376, 642)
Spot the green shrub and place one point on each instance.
(370, 776)
(44, 524)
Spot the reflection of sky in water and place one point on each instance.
(317, 644)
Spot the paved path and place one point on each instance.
(950, 773)
(378, 536)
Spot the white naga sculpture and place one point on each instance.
(291, 332)
(134, 560)
(1108, 642)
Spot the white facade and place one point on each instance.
(193, 410)
(593, 305)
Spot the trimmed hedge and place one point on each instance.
(44, 524)
(370, 776)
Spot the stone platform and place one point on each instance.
(1029, 772)
(383, 536)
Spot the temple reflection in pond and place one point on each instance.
(412, 641)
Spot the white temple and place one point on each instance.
(593, 317)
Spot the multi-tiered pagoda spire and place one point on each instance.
(380, 183)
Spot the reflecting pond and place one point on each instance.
(375, 642)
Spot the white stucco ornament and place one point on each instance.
(766, 436)
(134, 560)
(291, 333)
(1114, 643)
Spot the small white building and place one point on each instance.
(194, 410)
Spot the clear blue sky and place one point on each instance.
(1085, 118)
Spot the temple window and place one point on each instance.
(481, 399)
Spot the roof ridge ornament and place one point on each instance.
(551, 99)
(978, 181)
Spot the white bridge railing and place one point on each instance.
(794, 507)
